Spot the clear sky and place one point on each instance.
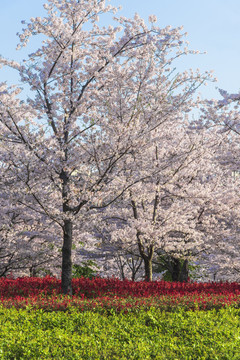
(212, 26)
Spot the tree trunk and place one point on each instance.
(120, 266)
(184, 272)
(67, 258)
(148, 268)
(180, 272)
(176, 269)
(33, 271)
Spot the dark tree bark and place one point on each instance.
(184, 275)
(67, 258)
(147, 256)
(146, 252)
(67, 237)
(33, 271)
(148, 268)
(120, 266)
(180, 272)
(175, 269)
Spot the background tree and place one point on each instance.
(223, 116)
(177, 207)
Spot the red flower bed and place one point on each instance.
(115, 294)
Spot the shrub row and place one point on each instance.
(112, 294)
(106, 304)
(96, 287)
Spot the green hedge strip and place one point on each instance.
(27, 334)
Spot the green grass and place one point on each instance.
(27, 334)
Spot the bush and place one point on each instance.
(87, 270)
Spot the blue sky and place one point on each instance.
(212, 26)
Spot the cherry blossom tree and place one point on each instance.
(95, 94)
(178, 208)
(223, 116)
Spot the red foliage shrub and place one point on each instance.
(115, 294)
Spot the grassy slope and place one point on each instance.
(26, 334)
